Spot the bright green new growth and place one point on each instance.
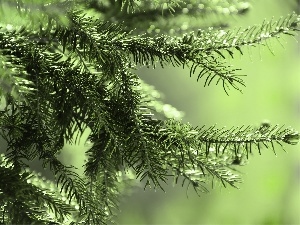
(71, 66)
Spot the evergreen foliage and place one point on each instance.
(70, 65)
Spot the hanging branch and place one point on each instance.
(66, 73)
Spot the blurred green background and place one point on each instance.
(270, 193)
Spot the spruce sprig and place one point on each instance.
(66, 73)
(26, 200)
(176, 51)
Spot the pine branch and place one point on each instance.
(23, 201)
(239, 140)
(217, 41)
(67, 72)
(195, 153)
(165, 50)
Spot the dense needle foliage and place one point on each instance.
(70, 65)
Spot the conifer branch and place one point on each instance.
(208, 151)
(24, 202)
(194, 153)
(217, 41)
(163, 49)
(66, 73)
(238, 140)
